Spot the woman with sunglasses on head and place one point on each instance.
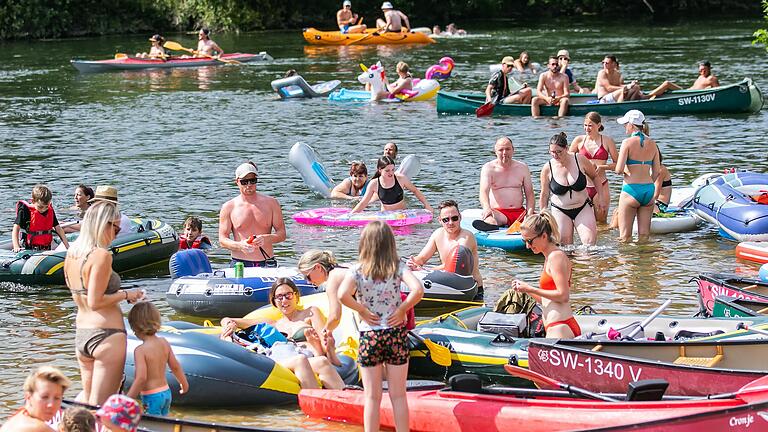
(564, 188)
(320, 267)
(598, 148)
(388, 187)
(553, 293)
(303, 326)
(100, 337)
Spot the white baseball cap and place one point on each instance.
(347, 3)
(244, 169)
(386, 5)
(632, 116)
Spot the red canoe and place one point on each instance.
(691, 368)
(133, 63)
(448, 411)
(712, 285)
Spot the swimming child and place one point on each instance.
(193, 237)
(38, 220)
(150, 358)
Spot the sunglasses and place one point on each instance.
(556, 152)
(251, 181)
(563, 58)
(553, 64)
(286, 296)
(529, 241)
(115, 227)
(450, 218)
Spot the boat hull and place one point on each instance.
(711, 285)
(319, 37)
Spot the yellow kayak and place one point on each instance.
(318, 37)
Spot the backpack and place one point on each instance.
(514, 302)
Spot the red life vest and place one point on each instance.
(195, 244)
(39, 233)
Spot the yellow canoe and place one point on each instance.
(318, 37)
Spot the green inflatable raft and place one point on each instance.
(149, 241)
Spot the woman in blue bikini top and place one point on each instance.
(639, 163)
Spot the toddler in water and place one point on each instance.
(372, 289)
(38, 220)
(150, 358)
(193, 237)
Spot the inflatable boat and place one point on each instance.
(498, 239)
(343, 217)
(306, 161)
(423, 90)
(753, 251)
(728, 203)
(293, 87)
(149, 241)
(674, 220)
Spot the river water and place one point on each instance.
(170, 140)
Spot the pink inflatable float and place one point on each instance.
(344, 217)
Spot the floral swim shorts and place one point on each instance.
(388, 346)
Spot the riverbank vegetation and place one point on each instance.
(65, 18)
(761, 35)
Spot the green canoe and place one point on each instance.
(485, 354)
(742, 97)
(731, 307)
(149, 242)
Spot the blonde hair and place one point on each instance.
(378, 251)
(403, 67)
(144, 319)
(77, 419)
(41, 193)
(95, 221)
(315, 256)
(46, 373)
(543, 223)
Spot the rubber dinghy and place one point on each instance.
(294, 87)
(727, 202)
(343, 217)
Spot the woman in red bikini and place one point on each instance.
(598, 148)
(540, 234)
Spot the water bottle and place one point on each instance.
(239, 267)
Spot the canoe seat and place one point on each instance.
(700, 361)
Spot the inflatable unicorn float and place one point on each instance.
(423, 89)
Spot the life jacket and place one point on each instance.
(39, 233)
(196, 244)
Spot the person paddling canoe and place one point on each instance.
(205, 46)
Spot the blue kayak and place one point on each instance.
(498, 238)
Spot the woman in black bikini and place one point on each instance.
(100, 338)
(388, 186)
(564, 188)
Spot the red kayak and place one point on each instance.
(533, 410)
(133, 63)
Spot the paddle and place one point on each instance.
(742, 326)
(171, 45)
(354, 41)
(546, 381)
(438, 353)
(515, 227)
(486, 109)
(647, 321)
(120, 56)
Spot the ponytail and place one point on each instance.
(543, 223)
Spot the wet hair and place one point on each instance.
(447, 203)
(95, 221)
(46, 373)
(41, 194)
(613, 59)
(280, 282)
(382, 163)
(87, 191)
(378, 252)
(358, 167)
(595, 118)
(560, 140)
(290, 73)
(315, 256)
(194, 223)
(77, 419)
(144, 318)
(542, 223)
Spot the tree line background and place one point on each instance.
(62, 18)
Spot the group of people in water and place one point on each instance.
(556, 84)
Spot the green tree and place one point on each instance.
(761, 36)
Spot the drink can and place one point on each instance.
(239, 267)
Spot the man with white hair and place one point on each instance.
(393, 19)
(348, 21)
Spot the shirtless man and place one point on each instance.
(498, 91)
(446, 240)
(347, 21)
(504, 184)
(393, 19)
(251, 214)
(551, 90)
(706, 79)
(205, 46)
(609, 85)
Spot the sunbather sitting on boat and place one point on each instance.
(157, 51)
(348, 21)
(498, 89)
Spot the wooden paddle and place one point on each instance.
(171, 45)
(439, 354)
(548, 382)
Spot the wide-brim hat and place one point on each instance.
(104, 193)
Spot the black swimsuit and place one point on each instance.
(579, 185)
(392, 195)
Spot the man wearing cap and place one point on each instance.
(551, 90)
(498, 91)
(393, 19)
(564, 58)
(250, 218)
(347, 20)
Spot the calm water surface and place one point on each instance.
(170, 140)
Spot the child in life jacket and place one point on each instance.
(38, 221)
(192, 237)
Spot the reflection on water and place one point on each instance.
(170, 139)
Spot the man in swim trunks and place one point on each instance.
(498, 91)
(609, 85)
(504, 184)
(446, 242)
(251, 214)
(393, 19)
(706, 79)
(551, 90)
(347, 21)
